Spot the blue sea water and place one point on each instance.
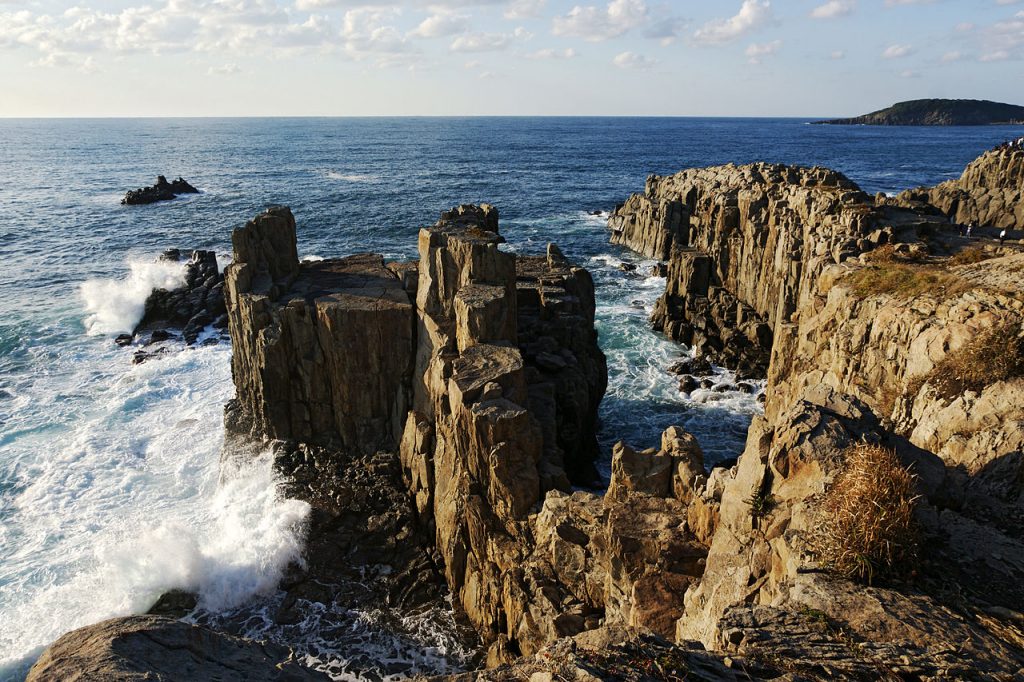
(111, 489)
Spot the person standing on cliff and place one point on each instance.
(1002, 236)
(970, 228)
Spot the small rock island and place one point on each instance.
(161, 191)
(939, 112)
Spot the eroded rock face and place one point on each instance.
(990, 192)
(745, 246)
(157, 648)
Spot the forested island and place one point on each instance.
(938, 112)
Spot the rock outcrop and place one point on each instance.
(197, 304)
(989, 193)
(861, 349)
(745, 246)
(161, 191)
(164, 650)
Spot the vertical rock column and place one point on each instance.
(471, 448)
(322, 351)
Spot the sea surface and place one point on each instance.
(111, 489)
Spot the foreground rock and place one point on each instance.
(938, 112)
(161, 191)
(155, 648)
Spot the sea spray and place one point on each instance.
(131, 500)
(117, 305)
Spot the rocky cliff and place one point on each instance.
(439, 416)
(989, 193)
(745, 246)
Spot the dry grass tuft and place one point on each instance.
(972, 254)
(904, 280)
(868, 528)
(996, 354)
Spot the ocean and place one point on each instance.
(111, 489)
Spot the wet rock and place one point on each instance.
(161, 191)
(190, 308)
(687, 384)
(159, 648)
(123, 340)
(659, 270)
(627, 267)
(174, 604)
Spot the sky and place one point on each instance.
(812, 58)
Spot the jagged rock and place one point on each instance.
(161, 191)
(159, 648)
(198, 303)
(989, 193)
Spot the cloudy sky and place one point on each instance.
(522, 57)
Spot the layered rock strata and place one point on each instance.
(989, 193)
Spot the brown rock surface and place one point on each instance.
(990, 191)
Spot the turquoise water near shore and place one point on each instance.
(111, 489)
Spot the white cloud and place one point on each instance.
(964, 27)
(752, 15)
(441, 25)
(837, 54)
(596, 23)
(908, 73)
(833, 8)
(897, 51)
(525, 9)
(893, 3)
(551, 53)
(223, 70)
(757, 52)
(632, 60)
(952, 56)
(481, 42)
(994, 56)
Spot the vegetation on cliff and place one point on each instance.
(868, 528)
(938, 112)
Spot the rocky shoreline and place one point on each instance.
(440, 416)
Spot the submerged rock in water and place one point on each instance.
(159, 648)
(161, 191)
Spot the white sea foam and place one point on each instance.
(116, 305)
(124, 497)
(352, 177)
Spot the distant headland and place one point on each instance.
(939, 112)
